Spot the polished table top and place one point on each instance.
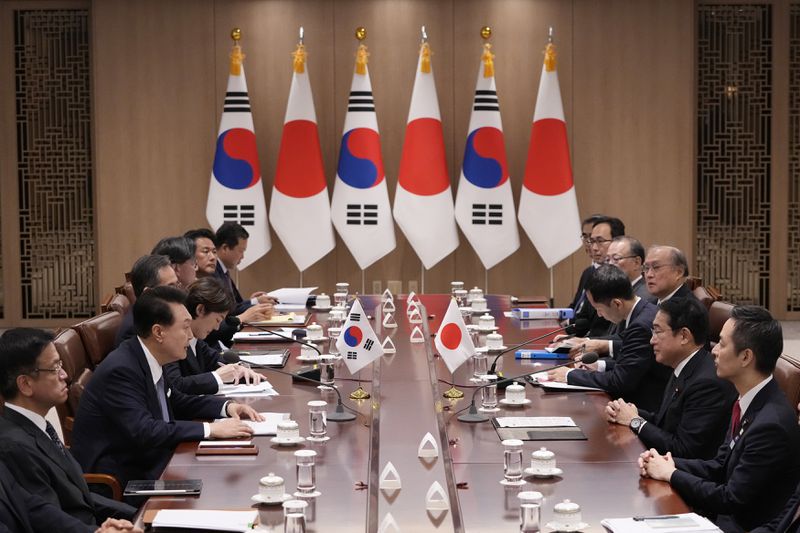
(599, 473)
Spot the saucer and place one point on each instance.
(508, 483)
(554, 472)
(526, 401)
(318, 308)
(558, 527)
(317, 494)
(314, 358)
(312, 341)
(482, 349)
(258, 498)
(480, 311)
(487, 329)
(286, 441)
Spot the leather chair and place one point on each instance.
(693, 282)
(119, 303)
(787, 374)
(98, 334)
(127, 290)
(718, 314)
(705, 297)
(75, 359)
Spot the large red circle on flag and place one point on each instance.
(451, 336)
(548, 171)
(300, 172)
(423, 169)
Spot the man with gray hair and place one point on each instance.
(665, 271)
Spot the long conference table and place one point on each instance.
(406, 402)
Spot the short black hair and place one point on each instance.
(152, 308)
(608, 282)
(209, 292)
(616, 225)
(754, 328)
(178, 249)
(19, 349)
(591, 219)
(144, 273)
(229, 234)
(201, 233)
(634, 246)
(687, 313)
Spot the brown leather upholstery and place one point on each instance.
(76, 389)
(98, 335)
(704, 296)
(73, 354)
(693, 282)
(119, 303)
(718, 314)
(127, 290)
(787, 374)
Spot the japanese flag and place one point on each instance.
(452, 340)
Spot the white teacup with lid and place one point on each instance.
(479, 304)
(323, 301)
(271, 489)
(567, 517)
(494, 341)
(543, 461)
(486, 321)
(314, 331)
(515, 393)
(474, 292)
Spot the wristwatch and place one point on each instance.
(636, 424)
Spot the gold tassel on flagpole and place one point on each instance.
(361, 59)
(550, 57)
(237, 56)
(299, 56)
(488, 61)
(425, 64)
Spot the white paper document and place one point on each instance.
(288, 308)
(689, 522)
(270, 359)
(534, 421)
(224, 443)
(290, 318)
(260, 389)
(263, 336)
(269, 426)
(557, 385)
(292, 295)
(206, 520)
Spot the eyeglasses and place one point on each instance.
(58, 367)
(616, 258)
(657, 332)
(648, 267)
(599, 241)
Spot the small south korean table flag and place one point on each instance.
(358, 343)
(452, 340)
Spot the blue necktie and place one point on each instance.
(51, 432)
(162, 398)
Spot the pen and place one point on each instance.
(665, 517)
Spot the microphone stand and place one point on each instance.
(474, 416)
(339, 414)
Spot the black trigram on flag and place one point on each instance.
(236, 102)
(366, 214)
(486, 101)
(243, 214)
(368, 344)
(483, 214)
(361, 101)
(352, 355)
(355, 317)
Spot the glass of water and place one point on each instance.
(294, 516)
(530, 509)
(317, 421)
(512, 462)
(306, 474)
(326, 370)
(489, 393)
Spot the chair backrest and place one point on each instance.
(787, 374)
(73, 355)
(700, 293)
(718, 314)
(692, 282)
(98, 334)
(119, 303)
(127, 290)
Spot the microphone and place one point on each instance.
(339, 414)
(569, 329)
(474, 416)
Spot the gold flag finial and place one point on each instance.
(425, 62)
(361, 59)
(488, 61)
(361, 33)
(550, 57)
(237, 56)
(486, 32)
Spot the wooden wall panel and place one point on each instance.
(625, 69)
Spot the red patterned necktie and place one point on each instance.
(736, 418)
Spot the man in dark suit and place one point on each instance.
(665, 271)
(130, 419)
(633, 373)
(23, 512)
(756, 470)
(148, 271)
(203, 371)
(694, 412)
(181, 253)
(32, 381)
(586, 235)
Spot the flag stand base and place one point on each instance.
(359, 394)
(453, 393)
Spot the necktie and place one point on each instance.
(162, 398)
(736, 418)
(51, 432)
(669, 392)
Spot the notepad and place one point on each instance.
(163, 487)
(266, 358)
(535, 421)
(206, 520)
(263, 336)
(269, 426)
(688, 522)
(259, 389)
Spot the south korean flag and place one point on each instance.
(358, 343)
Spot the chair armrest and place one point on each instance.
(107, 480)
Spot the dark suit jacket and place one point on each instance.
(640, 290)
(126, 329)
(241, 303)
(39, 466)
(119, 428)
(784, 522)
(749, 485)
(694, 414)
(193, 374)
(23, 512)
(633, 374)
(581, 284)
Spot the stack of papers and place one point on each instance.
(270, 424)
(292, 295)
(273, 358)
(534, 421)
(207, 520)
(688, 522)
(259, 389)
(263, 336)
(276, 320)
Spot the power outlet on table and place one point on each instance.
(395, 286)
(377, 287)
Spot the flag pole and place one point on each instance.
(421, 278)
(486, 281)
(301, 278)
(363, 282)
(552, 298)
